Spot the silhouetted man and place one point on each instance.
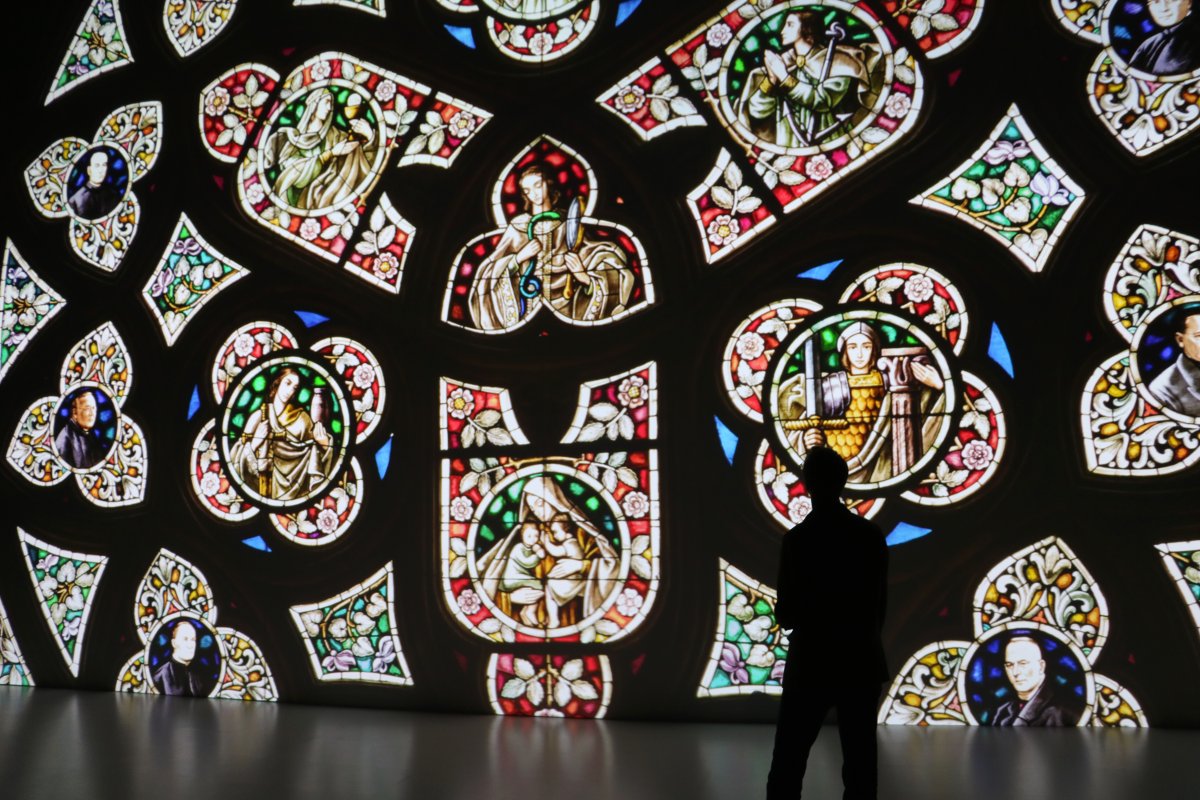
(832, 595)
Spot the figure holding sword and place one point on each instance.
(814, 90)
(880, 412)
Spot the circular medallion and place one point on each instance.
(323, 147)
(1156, 40)
(97, 183)
(873, 386)
(805, 78)
(548, 550)
(185, 657)
(1026, 674)
(1166, 359)
(285, 431)
(85, 427)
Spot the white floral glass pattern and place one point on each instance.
(26, 304)
(192, 24)
(474, 416)
(13, 669)
(91, 183)
(750, 651)
(352, 637)
(1144, 84)
(650, 102)
(728, 211)
(65, 583)
(98, 46)
(189, 274)
(1182, 562)
(538, 685)
(1136, 419)
(376, 7)
(82, 430)
(1040, 598)
(173, 600)
(1012, 190)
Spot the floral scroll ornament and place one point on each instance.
(99, 45)
(82, 431)
(13, 669)
(1182, 562)
(939, 26)
(531, 32)
(1012, 190)
(26, 305)
(376, 7)
(750, 651)
(1040, 597)
(65, 583)
(650, 102)
(971, 432)
(91, 183)
(190, 273)
(549, 685)
(1135, 420)
(352, 637)
(173, 604)
(325, 400)
(1145, 91)
(192, 24)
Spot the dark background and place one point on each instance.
(1053, 322)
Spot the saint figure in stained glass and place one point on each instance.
(814, 87)
(870, 391)
(554, 567)
(285, 451)
(327, 155)
(546, 253)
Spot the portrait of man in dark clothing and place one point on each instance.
(832, 591)
(1035, 704)
(181, 675)
(1175, 47)
(76, 441)
(97, 196)
(1178, 386)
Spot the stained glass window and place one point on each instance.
(479, 350)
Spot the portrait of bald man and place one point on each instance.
(180, 675)
(1035, 704)
(1175, 47)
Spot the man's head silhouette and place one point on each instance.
(824, 475)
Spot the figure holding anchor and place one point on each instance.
(813, 91)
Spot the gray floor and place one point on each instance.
(59, 744)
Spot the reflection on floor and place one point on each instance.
(59, 744)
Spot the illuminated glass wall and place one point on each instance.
(464, 354)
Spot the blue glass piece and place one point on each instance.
(311, 319)
(383, 457)
(194, 403)
(258, 543)
(821, 272)
(998, 351)
(626, 9)
(729, 439)
(903, 532)
(464, 35)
